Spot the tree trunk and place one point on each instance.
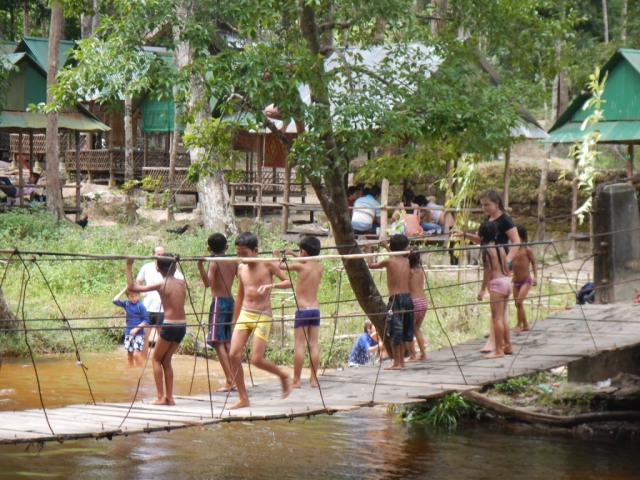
(440, 10)
(173, 156)
(89, 23)
(605, 21)
(26, 26)
(333, 196)
(623, 22)
(128, 139)
(213, 193)
(129, 160)
(7, 318)
(549, 420)
(54, 194)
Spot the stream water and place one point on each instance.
(369, 442)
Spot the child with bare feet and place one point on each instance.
(172, 294)
(523, 261)
(307, 316)
(496, 279)
(137, 318)
(219, 278)
(252, 313)
(399, 321)
(420, 304)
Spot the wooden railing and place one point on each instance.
(160, 177)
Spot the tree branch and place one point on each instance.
(323, 27)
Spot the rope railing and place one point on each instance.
(16, 255)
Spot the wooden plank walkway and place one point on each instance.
(555, 341)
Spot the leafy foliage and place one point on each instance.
(445, 411)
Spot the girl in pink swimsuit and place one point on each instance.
(420, 304)
(496, 280)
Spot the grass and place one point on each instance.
(44, 289)
(443, 411)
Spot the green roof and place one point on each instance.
(621, 107)
(78, 120)
(38, 49)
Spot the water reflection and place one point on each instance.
(366, 443)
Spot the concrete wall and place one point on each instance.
(617, 237)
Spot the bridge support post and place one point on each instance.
(616, 229)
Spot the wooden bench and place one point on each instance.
(302, 207)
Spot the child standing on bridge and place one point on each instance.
(307, 317)
(420, 304)
(172, 294)
(399, 321)
(252, 313)
(496, 279)
(523, 262)
(137, 318)
(220, 278)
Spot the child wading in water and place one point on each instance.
(307, 318)
(252, 313)
(496, 279)
(172, 294)
(420, 304)
(219, 278)
(522, 281)
(137, 319)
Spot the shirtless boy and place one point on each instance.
(399, 325)
(307, 317)
(219, 278)
(522, 281)
(252, 312)
(172, 294)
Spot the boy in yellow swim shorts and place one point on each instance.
(252, 312)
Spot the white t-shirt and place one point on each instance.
(149, 275)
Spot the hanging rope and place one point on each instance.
(26, 276)
(73, 339)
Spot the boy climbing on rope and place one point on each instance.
(219, 278)
(523, 261)
(252, 313)
(137, 318)
(400, 319)
(307, 317)
(172, 294)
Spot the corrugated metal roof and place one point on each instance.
(610, 132)
(38, 48)
(15, 57)
(14, 121)
(621, 110)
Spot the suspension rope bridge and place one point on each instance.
(561, 338)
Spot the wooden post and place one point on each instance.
(287, 195)
(384, 199)
(507, 173)
(574, 207)
(630, 163)
(112, 174)
(20, 179)
(77, 176)
(30, 151)
(261, 141)
(146, 150)
(542, 195)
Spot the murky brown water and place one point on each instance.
(368, 443)
(110, 378)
